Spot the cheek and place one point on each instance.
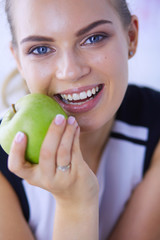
(99, 62)
(117, 78)
(38, 76)
(112, 63)
(111, 68)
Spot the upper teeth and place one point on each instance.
(80, 96)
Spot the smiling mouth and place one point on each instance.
(81, 97)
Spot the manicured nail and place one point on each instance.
(59, 119)
(71, 120)
(19, 137)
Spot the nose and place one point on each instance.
(71, 66)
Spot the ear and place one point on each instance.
(15, 54)
(133, 36)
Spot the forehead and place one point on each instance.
(58, 14)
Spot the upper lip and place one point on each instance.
(78, 90)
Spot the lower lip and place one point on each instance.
(85, 107)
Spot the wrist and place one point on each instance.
(77, 209)
(80, 200)
(77, 222)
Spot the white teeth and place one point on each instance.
(89, 93)
(79, 103)
(93, 91)
(65, 96)
(76, 97)
(83, 95)
(80, 96)
(70, 97)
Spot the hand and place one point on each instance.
(60, 147)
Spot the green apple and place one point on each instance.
(32, 115)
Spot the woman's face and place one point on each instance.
(76, 52)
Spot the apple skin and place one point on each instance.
(33, 115)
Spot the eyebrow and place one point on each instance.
(91, 26)
(36, 38)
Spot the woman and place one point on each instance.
(89, 181)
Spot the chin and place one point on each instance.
(92, 125)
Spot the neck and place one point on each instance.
(93, 143)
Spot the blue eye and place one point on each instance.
(94, 39)
(42, 50)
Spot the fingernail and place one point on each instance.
(71, 120)
(19, 137)
(59, 119)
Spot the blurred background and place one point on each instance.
(144, 67)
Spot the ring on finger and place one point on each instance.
(64, 168)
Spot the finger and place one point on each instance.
(16, 161)
(50, 145)
(76, 152)
(65, 147)
(78, 162)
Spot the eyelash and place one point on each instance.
(100, 37)
(48, 50)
